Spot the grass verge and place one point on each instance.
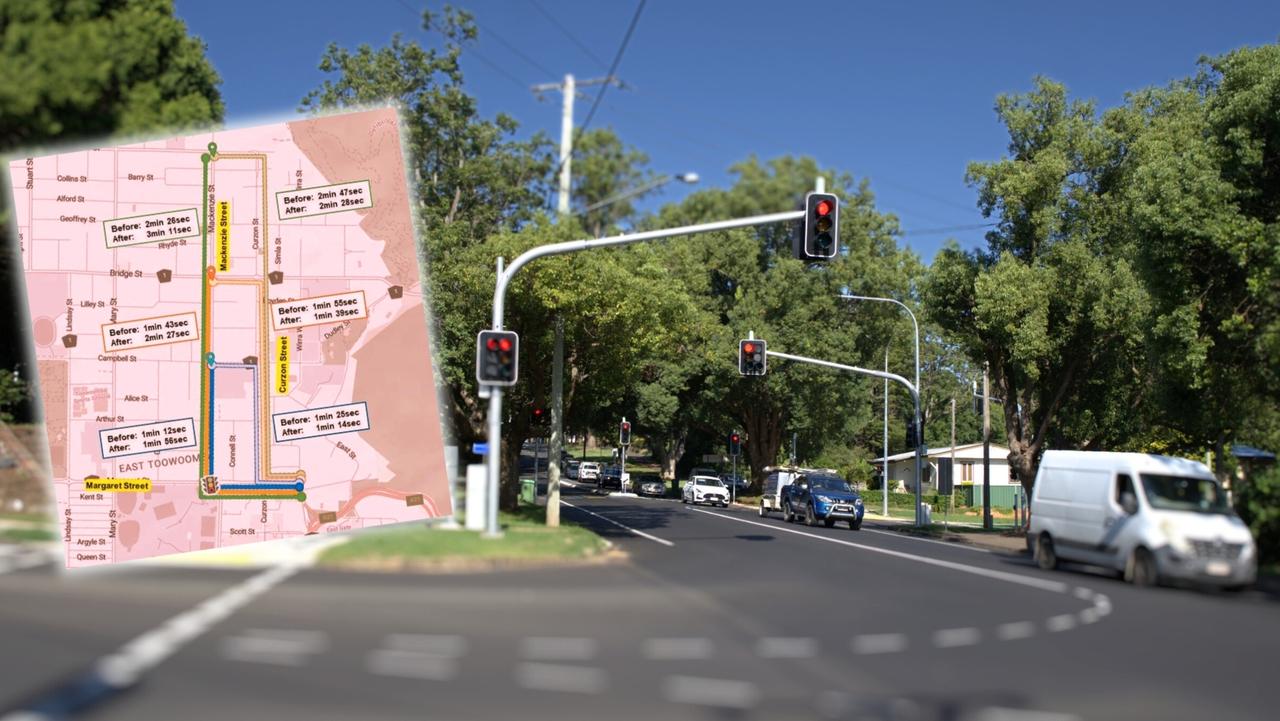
(526, 541)
(27, 535)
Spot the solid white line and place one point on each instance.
(786, 647)
(642, 534)
(557, 677)
(710, 692)
(926, 540)
(952, 637)
(1016, 630)
(677, 649)
(879, 643)
(552, 648)
(1042, 584)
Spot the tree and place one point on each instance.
(86, 70)
(13, 392)
(605, 167)
(1054, 307)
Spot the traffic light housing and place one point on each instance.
(624, 433)
(821, 225)
(538, 415)
(497, 357)
(752, 357)
(913, 434)
(735, 444)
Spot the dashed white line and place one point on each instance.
(411, 664)
(1016, 630)
(724, 693)
(278, 647)
(879, 643)
(953, 637)
(637, 532)
(996, 713)
(558, 648)
(559, 677)
(1062, 622)
(677, 649)
(446, 646)
(778, 647)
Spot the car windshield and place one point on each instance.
(1184, 493)
(829, 483)
(708, 482)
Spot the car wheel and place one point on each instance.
(1140, 569)
(1046, 557)
(828, 522)
(855, 525)
(810, 519)
(684, 500)
(786, 512)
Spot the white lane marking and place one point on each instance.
(18, 559)
(786, 647)
(1102, 604)
(1089, 615)
(724, 693)
(1082, 593)
(1063, 622)
(411, 664)
(642, 534)
(677, 649)
(126, 665)
(558, 677)
(879, 643)
(446, 646)
(1016, 630)
(558, 648)
(274, 646)
(1042, 584)
(910, 537)
(996, 713)
(953, 637)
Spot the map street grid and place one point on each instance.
(216, 318)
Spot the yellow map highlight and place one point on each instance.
(118, 485)
(223, 230)
(282, 365)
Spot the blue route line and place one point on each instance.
(210, 433)
(257, 470)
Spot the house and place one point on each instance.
(968, 467)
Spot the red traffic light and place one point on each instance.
(824, 207)
(626, 426)
(504, 343)
(537, 411)
(491, 344)
(749, 347)
(735, 437)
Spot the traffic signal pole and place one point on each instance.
(915, 398)
(574, 246)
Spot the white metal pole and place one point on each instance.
(557, 427)
(493, 460)
(566, 144)
(986, 446)
(884, 486)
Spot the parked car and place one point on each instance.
(611, 479)
(822, 497)
(589, 472)
(705, 489)
(737, 483)
(649, 485)
(1150, 517)
(571, 469)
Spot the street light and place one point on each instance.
(884, 489)
(658, 182)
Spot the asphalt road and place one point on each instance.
(718, 614)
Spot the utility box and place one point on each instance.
(477, 492)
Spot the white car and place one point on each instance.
(1151, 517)
(588, 471)
(705, 489)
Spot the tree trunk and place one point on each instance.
(764, 438)
(668, 451)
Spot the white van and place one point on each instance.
(1151, 517)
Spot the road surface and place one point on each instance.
(718, 614)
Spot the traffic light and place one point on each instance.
(624, 433)
(497, 357)
(913, 434)
(735, 444)
(821, 225)
(538, 415)
(751, 357)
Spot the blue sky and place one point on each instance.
(899, 92)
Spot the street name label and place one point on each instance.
(224, 235)
(315, 422)
(152, 228)
(282, 365)
(145, 332)
(118, 485)
(319, 310)
(147, 438)
(323, 200)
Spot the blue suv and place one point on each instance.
(822, 497)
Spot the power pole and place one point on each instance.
(947, 520)
(568, 90)
(986, 445)
(884, 481)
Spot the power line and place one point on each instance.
(951, 229)
(534, 63)
(565, 31)
(478, 55)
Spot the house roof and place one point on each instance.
(1240, 450)
(998, 453)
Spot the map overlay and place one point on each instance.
(230, 337)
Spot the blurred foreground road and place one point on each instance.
(718, 614)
